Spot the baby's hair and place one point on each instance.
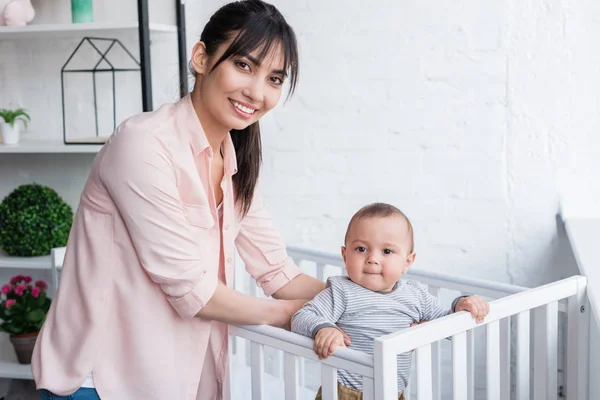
(381, 210)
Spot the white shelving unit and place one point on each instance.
(9, 367)
(26, 146)
(70, 30)
(42, 262)
(14, 370)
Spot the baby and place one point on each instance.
(372, 301)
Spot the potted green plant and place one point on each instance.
(34, 219)
(23, 310)
(9, 125)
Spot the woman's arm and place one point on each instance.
(232, 307)
(301, 287)
(265, 257)
(141, 179)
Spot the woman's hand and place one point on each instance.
(287, 309)
(327, 340)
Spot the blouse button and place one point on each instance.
(229, 260)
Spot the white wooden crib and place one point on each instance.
(520, 362)
(520, 339)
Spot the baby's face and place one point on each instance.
(377, 252)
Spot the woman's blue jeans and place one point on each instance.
(80, 394)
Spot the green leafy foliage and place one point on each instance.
(12, 116)
(24, 306)
(33, 220)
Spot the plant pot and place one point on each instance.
(23, 345)
(10, 134)
(82, 11)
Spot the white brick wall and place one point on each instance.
(469, 116)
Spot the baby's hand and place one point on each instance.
(478, 307)
(327, 340)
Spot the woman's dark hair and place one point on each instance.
(252, 24)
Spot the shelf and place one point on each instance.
(42, 262)
(14, 370)
(46, 31)
(47, 146)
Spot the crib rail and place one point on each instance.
(294, 346)
(543, 300)
(517, 314)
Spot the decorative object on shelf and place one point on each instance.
(95, 69)
(16, 12)
(33, 220)
(82, 11)
(9, 124)
(23, 310)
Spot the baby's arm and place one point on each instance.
(318, 317)
(431, 308)
(323, 311)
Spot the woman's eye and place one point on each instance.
(277, 80)
(361, 249)
(387, 251)
(242, 65)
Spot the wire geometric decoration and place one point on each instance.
(101, 60)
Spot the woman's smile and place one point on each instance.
(244, 110)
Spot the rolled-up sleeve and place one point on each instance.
(260, 246)
(141, 179)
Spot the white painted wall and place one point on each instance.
(471, 117)
(475, 118)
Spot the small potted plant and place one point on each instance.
(23, 311)
(34, 219)
(9, 125)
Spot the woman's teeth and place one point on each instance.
(242, 108)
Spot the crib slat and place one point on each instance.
(252, 287)
(545, 351)
(578, 325)
(329, 382)
(385, 368)
(492, 348)
(368, 389)
(411, 380)
(321, 271)
(256, 372)
(459, 366)
(471, 365)
(291, 377)
(523, 331)
(424, 374)
(505, 358)
(470, 361)
(436, 357)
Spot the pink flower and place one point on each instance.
(35, 292)
(20, 289)
(10, 303)
(27, 279)
(16, 279)
(42, 285)
(6, 289)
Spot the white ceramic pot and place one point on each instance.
(10, 134)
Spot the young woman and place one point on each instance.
(145, 295)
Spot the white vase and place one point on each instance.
(10, 134)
